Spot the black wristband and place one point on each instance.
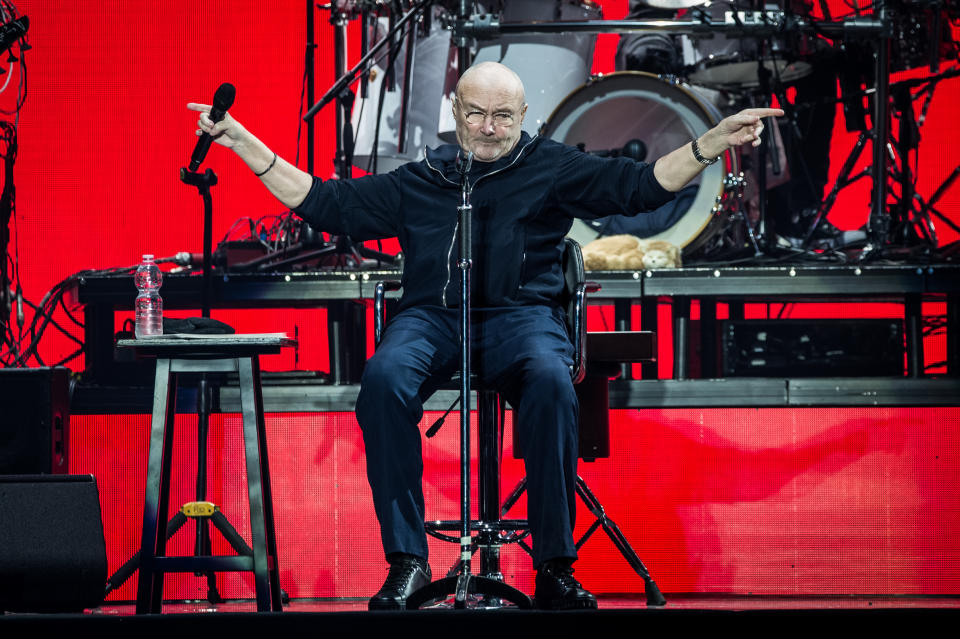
(699, 156)
(264, 172)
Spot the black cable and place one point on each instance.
(43, 318)
(69, 314)
(9, 12)
(53, 321)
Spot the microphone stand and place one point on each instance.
(465, 583)
(202, 182)
(465, 264)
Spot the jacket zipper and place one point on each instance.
(443, 291)
(443, 295)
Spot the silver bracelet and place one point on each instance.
(274, 161)
(696, 153)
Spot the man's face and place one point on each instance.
(489, 116)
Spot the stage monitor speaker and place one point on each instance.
(35, 420)
(813, 348)
(52, 551)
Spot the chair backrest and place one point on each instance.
(573, 300)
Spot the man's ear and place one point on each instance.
(523, 112)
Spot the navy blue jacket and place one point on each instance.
(523, 207)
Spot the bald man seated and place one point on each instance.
(525, 191)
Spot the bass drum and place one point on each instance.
(607, 113)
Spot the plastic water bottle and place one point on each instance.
(149, 306)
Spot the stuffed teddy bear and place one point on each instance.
(628, 252)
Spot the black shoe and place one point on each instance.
(558, 590)
(407, 575)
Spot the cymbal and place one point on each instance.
(673, 4)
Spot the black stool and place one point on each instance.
(214, 354)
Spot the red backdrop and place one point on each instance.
(770, 500)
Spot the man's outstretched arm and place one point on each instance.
(288, 184)
(675, 169)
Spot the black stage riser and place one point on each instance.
(34, 420)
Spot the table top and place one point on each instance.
(308, 289)
(237, 345)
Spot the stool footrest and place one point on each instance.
(218, 563)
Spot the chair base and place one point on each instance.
(470, 591)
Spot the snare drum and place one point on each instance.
(610, 111)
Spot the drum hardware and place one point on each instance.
(876, 26)
(921, 33)
(347, 78)
(843, 180)
(673, 4)
(340, 13)
(488, 27)
(909, 218)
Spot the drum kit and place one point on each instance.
(734, 55)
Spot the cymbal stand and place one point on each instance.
(341, 92)
(764, 231)
(906, 227)
(910, 213)
(843, 180)
(928, 207)
(878, 226)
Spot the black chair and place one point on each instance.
(604, 354)
(492, 530)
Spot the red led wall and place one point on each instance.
(772, 500)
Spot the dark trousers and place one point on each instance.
(523, 352)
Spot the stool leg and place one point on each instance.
(156, 498)
(271, 531)
(249, 407)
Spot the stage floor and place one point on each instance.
(690, 602)
(339, 617)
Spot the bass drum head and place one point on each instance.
(610, 111)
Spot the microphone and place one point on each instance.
(464, 164)
(184, 258)
(222, 100)
(463, 168)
